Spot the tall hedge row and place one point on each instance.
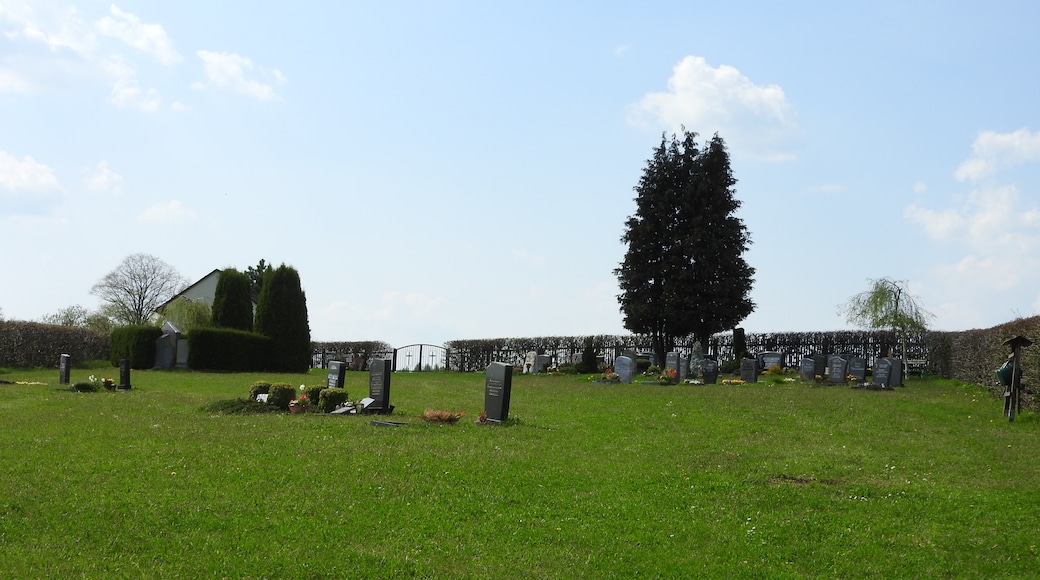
(33, 344)
(134, 343)
(226, 349)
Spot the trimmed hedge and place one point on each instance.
(225, 349)
(281, 395)
(134, 343)
(330, 399)
(33, 344)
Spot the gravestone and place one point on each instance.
(182, 353)
(820, 361)
(337, 374)
(124, 374)
(529, 362)
(836, 369)
(541, 362)
(857, 367)
(498, 384)
(64, 369)
(625, 368)
(671, 360)
(749, 370)
(768, 360)
(807, 369)
(710, 371)
(165, 351)
(888, 372)
(357, 363)
(684, 368)
(379, 387)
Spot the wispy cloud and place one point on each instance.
(230, 70)
(126, 94)
(39, 22)
(755, 120)
(102, 179)
(992, 152)
(148, 38)
(170, 212)
(26, 176)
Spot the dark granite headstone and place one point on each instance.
(768, 360)
(541, 362)
(684, 368)
(836, 369)
(124, 374)
(749, 370)
(64, 369)
(671, 360)
(337, 374)
(379, 387)
(888, 372)
(357, 363)
(858, 368)
(710, 371)
(625, 368)
(807, 369)
(820, 360)
(498, 384)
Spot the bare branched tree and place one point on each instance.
(140, 284)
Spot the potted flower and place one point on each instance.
(669, 376)
(609, 376)
(301, 403)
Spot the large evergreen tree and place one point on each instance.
(281, 315)
(232, 301)
(684, 273)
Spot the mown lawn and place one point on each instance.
(586, 481)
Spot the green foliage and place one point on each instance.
(233, 302)
(85, 387)
(281, 315)
(259, 388)
(330, 398)
(256, 277)
(135, 343)
(684, 272)
(238, 407)
(313, 392)
(33, 344)
(187, 314)
(887, 304)
(589, 360)
(280, 395)
(740, 349)
(227, 350)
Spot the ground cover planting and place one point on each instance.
(767, 480)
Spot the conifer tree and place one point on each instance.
(281, 315)
(232, 301)
(684, 273)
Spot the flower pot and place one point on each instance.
(297, 409)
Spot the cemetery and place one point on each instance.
(518, 469)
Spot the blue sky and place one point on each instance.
(457, 170)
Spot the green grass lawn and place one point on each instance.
(586, 481)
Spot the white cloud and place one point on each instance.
(753, 119)
(26, 175)
(230, 70)
(171, 212)
(11, 82)
(992, 152)
(148, 38)
(38, 22)
(126, 94)
(102, 179)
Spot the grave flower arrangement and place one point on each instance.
(301, 402)
(99, 383)
(669, 376)
(609, 376)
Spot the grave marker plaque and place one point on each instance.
(671, 360)
(541, 362)
(820, 361)
(64, 368)
(684, 368)
(858, 368)
(124, 374)
(529, 362)
(836, 369)
(807, 369)
(710, 371)
(337, 374)
(498, 384)
(749, 370)
(379, 387)
(888, 372)
(625, 368)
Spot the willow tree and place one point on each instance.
(887, 304)
(684, 272)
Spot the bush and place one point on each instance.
(313, 392)
(34, 344)
(568, 369)
(225, 349)
(259, 388)
(233, 301)
(280, 395)
(281, 315)
(85, 387)
(331, 398)
(134, 343)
